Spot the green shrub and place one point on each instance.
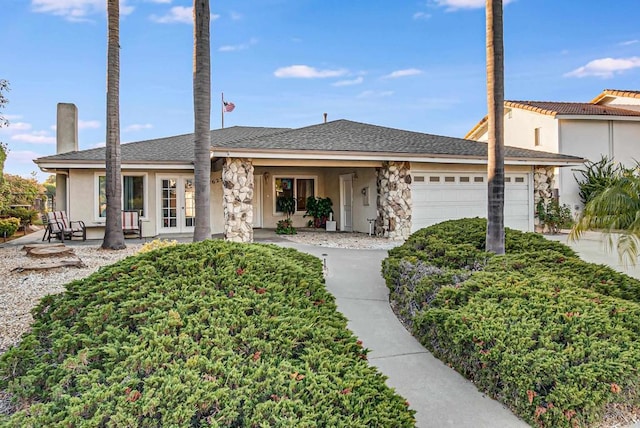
(26, 216)
(552, 337)
(211, 333)
(554, 216)
(597, 176)
(8, 226)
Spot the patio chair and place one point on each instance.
(131, 223)
(59, 226)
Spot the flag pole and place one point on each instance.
(222, 109)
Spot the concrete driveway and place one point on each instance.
(441, 396)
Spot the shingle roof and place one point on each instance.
(560, 108)
(340, 136)
(348, 136)
(177, 149)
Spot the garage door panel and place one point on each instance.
(435, 200)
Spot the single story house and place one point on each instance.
(393, 180)
(608, 125)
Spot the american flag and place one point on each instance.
(228, 107)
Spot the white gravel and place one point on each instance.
(342, 240)
(21, 291)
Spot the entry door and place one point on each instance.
(257, 201)
(346, 203)
(177, 204)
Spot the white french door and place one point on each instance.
(176, 204)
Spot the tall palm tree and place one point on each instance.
(113, 234)
(495, 117)
(202, 118)
(616, 212)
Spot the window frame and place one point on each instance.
(295, 178)
(96, 193)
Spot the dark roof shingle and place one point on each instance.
(340, 136)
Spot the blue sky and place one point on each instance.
(415, 65)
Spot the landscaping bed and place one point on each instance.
(206, 334)
(554, 338)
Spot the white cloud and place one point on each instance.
(12, 116)
(22, 157)
(137, 127)
(35, 137)
(605, 67)
(358, 80)
(177, 14)
(375, 94)
(88, 124)
(240, 47)
(16, 126)
(452, 5)
(403, 73)
(421, 16)
(160, 1)
(76, 10)
(629, 42)
(306, 72)
(236, 16)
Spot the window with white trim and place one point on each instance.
(134, 191)
(297, 187)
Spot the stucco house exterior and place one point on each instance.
(392, 180)
(607, 125)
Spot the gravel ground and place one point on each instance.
(342, 240)
(21, 291)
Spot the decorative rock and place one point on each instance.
(237, 176)
(394, 200)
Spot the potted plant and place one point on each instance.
(286, 205)
(319, 209)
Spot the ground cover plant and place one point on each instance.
(554, 338)
(203, 334)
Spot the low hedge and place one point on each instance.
(554, 338)
(9, 226)
(206, 334)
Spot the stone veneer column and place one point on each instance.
(394, 200)
(543, 182)
(237, 184)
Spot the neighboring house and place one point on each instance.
(400, 180)
(608, 125)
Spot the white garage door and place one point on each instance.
(446, 196)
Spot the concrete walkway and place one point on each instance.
(441, 396)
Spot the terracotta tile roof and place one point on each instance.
(616, 93)
(579, 109)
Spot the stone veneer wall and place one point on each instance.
(394, 200)
(543, 182)
(237, 183)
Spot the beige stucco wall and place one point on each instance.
(623, 102)
(590, 139)
(519, 128)
(83, 200)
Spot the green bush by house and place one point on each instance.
(8, 226)
(553, 337)
(206, 334)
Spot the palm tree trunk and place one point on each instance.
(495, 117)
(202, 118)
(113, 235)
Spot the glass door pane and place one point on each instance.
(169, 213)
(189, 203)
